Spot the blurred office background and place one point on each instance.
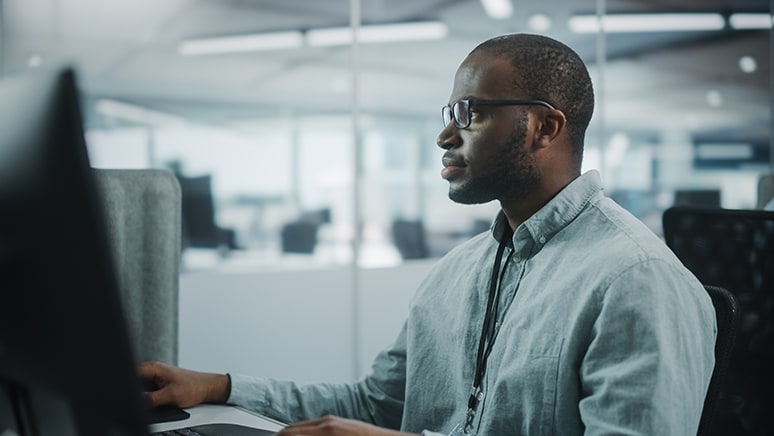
(298, 147)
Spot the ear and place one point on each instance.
(551, 125)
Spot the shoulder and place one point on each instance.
(611, 229)
(461, 268)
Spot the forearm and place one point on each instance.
(290, 402)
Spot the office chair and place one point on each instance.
(727, 315)
(199, 228)
(409, 238)
(142, 214)
(300, 235)
(734, 250)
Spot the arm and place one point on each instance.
(378, 399)
(331, 425)
(651, 354)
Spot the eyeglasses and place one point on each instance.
(459, 111)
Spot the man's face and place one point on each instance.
(488, 160)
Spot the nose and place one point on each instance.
(449, 137)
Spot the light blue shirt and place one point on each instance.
(602, 331)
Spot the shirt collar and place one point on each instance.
(560, 211)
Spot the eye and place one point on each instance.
(475, 112)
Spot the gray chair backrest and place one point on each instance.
(142, 214)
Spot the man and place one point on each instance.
(569, 317)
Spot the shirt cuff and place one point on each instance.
(249, 392)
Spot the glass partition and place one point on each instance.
(258, 96)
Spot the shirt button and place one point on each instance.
(516, 259)
(542, 239)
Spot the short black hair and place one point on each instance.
(549, 70)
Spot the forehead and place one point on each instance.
(484, 76)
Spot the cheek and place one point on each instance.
(488, 145)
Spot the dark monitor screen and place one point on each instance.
(66, 366)
(697, 197)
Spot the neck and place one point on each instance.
(519, 210)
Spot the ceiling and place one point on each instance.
(128, 51)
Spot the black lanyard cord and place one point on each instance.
(488, 329)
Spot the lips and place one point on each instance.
(452, 166)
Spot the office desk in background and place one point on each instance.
(218, 414)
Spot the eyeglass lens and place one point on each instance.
(461, 113)
(457, 112)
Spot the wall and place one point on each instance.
(292, 324)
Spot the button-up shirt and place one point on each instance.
(601, 330)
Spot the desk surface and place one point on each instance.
(217, 414)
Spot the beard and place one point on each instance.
(509, 176)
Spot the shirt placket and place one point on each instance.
(513, 268)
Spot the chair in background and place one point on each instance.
(300, 235)
(199, 228)
(409, 238)
(734, 249)
(727, 315)
(142, 214)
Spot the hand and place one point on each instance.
(335, 426)
(182, 387)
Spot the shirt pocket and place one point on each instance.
(525, 390)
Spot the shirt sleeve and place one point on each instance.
(647, 368)
(377, 399)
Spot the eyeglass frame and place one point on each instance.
(479, 102)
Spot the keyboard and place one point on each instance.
(215, 430)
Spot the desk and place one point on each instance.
(217, 414)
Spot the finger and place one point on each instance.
(156, 398)
(302, 427)
(149, 370)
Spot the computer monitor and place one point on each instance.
(697, 197)
(66, 366)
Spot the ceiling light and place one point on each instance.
(378, 33)
(750, 21)
(621, 23)
(714, 98)
(539, 22)
(498, 9)
(242, 43)
(138, 114)
(748, 64)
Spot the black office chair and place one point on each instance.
(299, 237)
(727, 314)
(199, 228)
(734, 250)
(409, 238)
